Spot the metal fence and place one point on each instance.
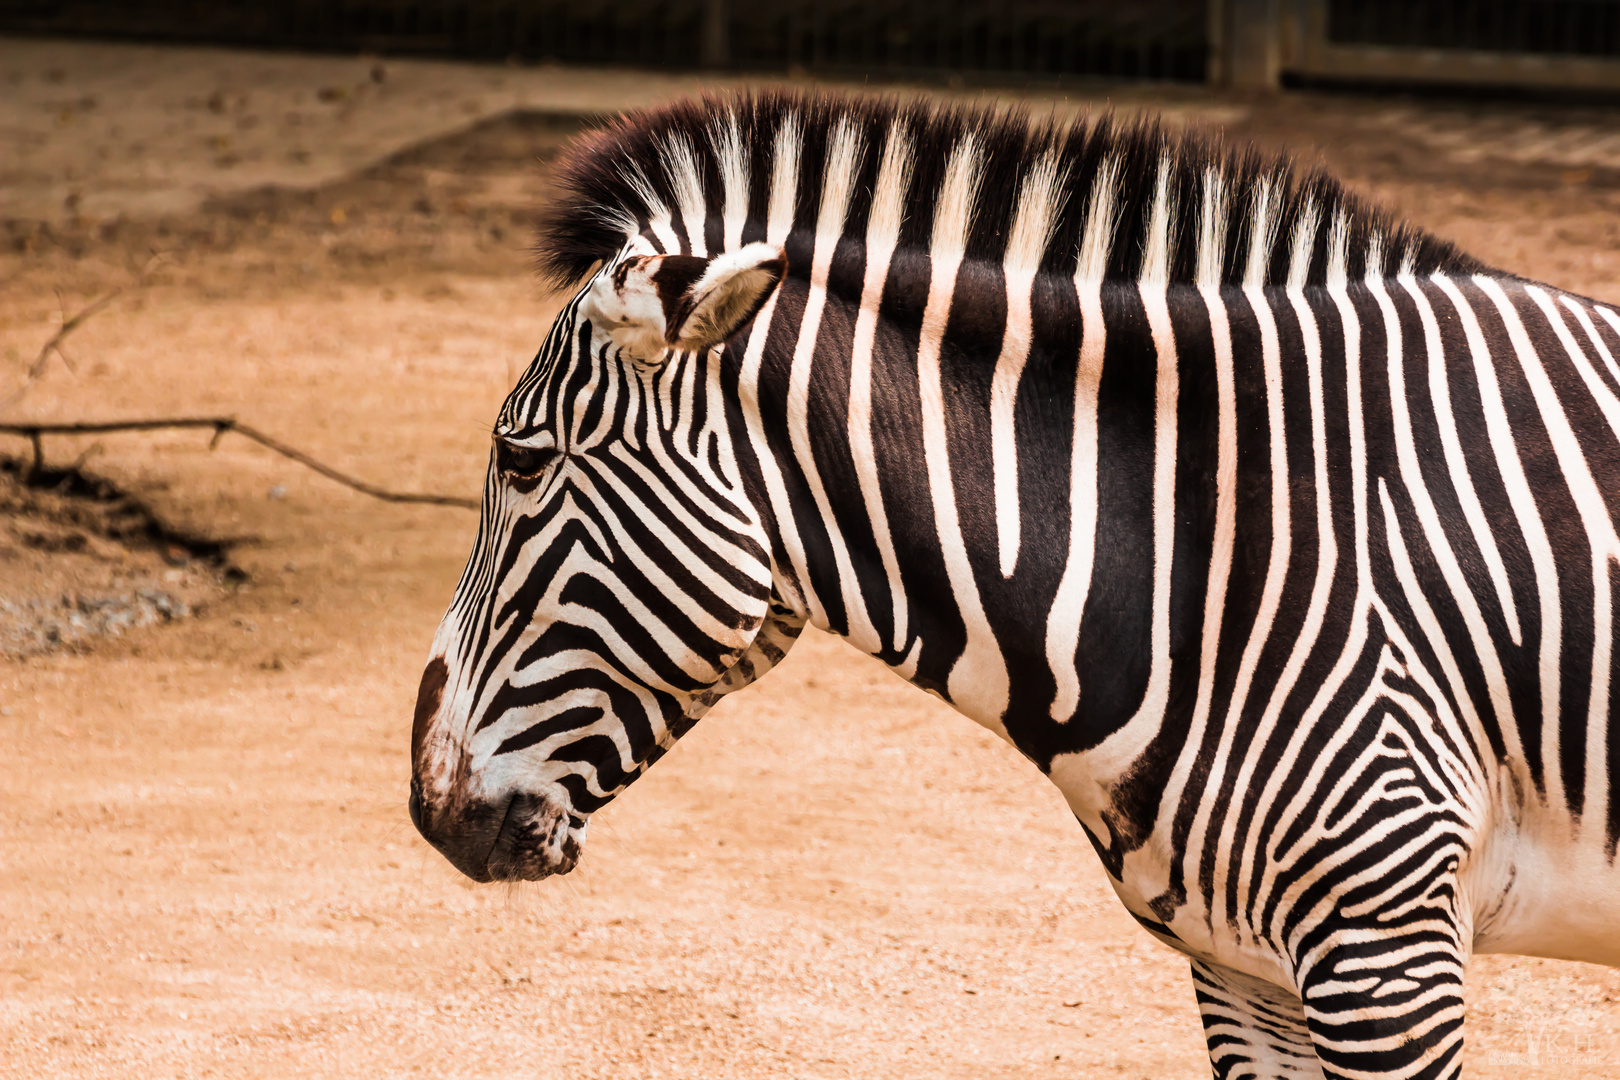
(1041, 39)
(1538, 43)
(1545, 44)
(1543, 27)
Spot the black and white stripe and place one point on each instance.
(1281, 535)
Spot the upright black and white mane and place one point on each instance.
(713, 163)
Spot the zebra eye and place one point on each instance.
(522, 462)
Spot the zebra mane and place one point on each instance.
(1097, 198)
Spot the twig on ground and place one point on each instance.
(220, 426)
(70, 323)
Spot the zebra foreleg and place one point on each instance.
(1255, 1029)
(1386, 1004)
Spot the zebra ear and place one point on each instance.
(729, 291)
(650, 304)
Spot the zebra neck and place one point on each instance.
(931, 473)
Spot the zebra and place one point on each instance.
(1278, 533)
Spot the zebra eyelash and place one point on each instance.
(522, 464)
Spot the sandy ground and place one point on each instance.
(205, 863)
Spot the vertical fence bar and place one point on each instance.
(716, 34)
(1251, 60)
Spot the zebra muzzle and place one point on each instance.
(525, 838)
(533, 841)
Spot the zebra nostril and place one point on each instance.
(414, 805)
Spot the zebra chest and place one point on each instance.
(1165, 884)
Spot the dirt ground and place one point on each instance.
(205, 863)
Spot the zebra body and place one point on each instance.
(1277, 535)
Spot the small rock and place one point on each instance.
(165, 605)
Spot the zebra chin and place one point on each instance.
(534, 842)
(526, 837)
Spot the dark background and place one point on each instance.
(1031, 40)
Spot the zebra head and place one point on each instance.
(621, 575)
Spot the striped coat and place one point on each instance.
(1278, 534)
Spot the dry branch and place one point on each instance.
(221, 425)
(70, 323)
